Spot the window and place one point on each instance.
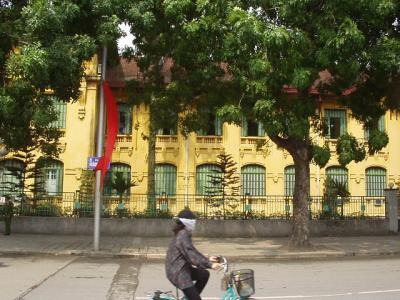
(289, 181)
(125, 118)
(250, 128)
(375, 181)
(339, 174)
(204, 175)
(50, 177)
(110, 177)
(253, 180)
(11, 177)
(61, 111)
(214, 126)
(380, 125)
(335, 123)
(166, 131)
(165, 176)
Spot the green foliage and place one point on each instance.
(321, 155)
(86, 188)
(43, 45)
(377, 140)
(47, 209)
(230, 114)
(332, 190)
(245, 53)
(349, 150)
(121, 184)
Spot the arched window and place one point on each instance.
(253, 180)
(109, 180)
(339, 174)
(165, 176)
(11, 177)
(204, 175)
(375, 181)
(49, 178)
(289, 180)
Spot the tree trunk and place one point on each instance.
(300, 237)
(151, 164)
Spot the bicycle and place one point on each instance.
(237, 285)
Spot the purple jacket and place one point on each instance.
(181, 256)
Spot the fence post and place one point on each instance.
(391, 209)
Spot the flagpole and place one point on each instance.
(99, 153)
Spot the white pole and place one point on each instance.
(99, 152)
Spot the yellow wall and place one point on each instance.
(79, 143)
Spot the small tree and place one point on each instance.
(333, 189)
(224, 184)
(29, 175)
(121, 184)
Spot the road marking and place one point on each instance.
(304, 296)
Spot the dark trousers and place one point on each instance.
(7, 221)
(201, 277)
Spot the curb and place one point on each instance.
(156, 257)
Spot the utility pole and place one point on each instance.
(99, 153)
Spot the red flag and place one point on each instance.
(112, 130)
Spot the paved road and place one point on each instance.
(339, 279)
(68, 277)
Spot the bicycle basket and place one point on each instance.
(244, 282)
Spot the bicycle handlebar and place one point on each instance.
(224, 262)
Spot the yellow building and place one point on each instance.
(184, 164)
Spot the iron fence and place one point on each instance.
(207, 207)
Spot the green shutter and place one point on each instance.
(261, 131)
(375, 181)
(61, 111)
(218, 126)
(335, 118)
(381, 127)
(11, 174)
(253, 180)
(244, 126)
(339, 174)
(289, 181)
(49, 168)
(125, 118)
(203, 178)
(165, 177)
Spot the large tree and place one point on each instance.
(245, 56)
(43, 46)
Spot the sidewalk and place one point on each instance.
(237, 249)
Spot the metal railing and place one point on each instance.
(207, 207)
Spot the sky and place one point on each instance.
(126, 40)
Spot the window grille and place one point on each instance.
(165, 176)
(289, 181)
(339, 174)
(61, 111)
(253, 180)
(11, 177)
(375, 181)
(204, 174)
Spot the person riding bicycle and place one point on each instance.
(184, 263)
